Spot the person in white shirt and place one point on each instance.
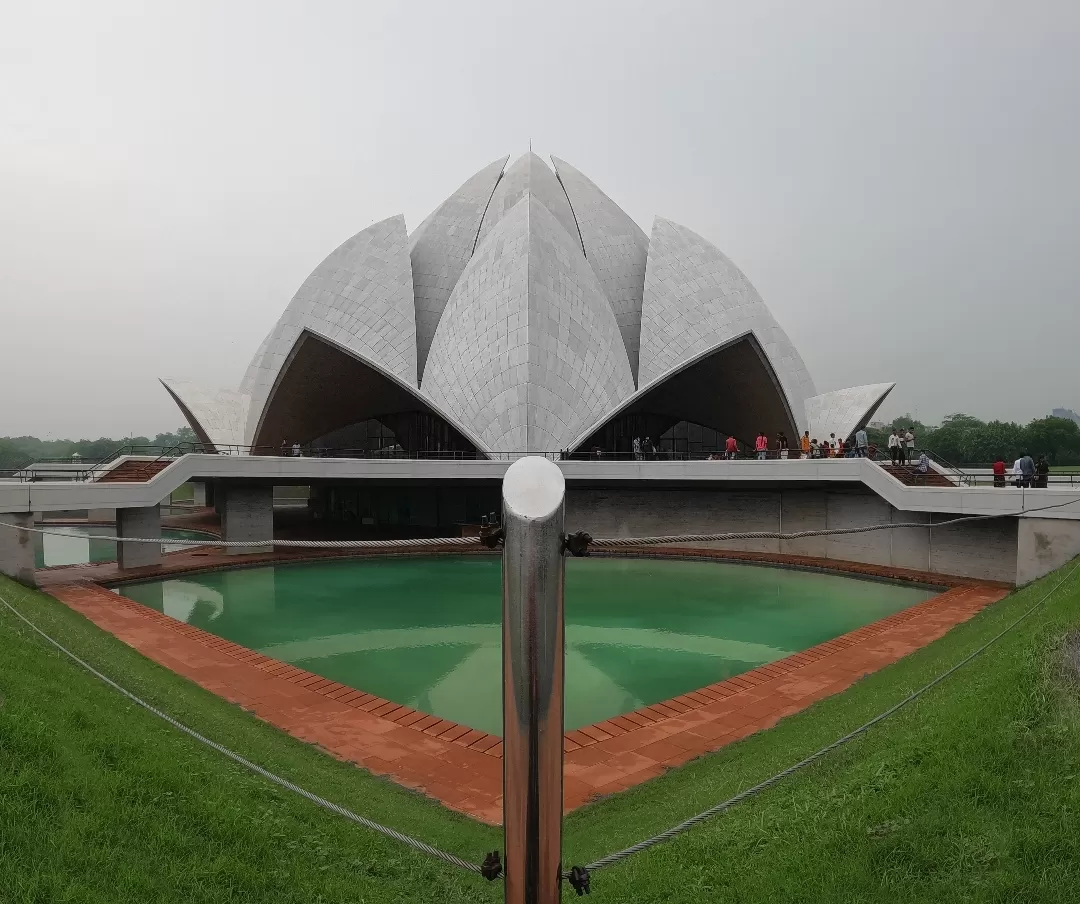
(894, 448)
(909, 444)
(862, 443)
(1018, 473)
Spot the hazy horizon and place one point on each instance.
(899, 183)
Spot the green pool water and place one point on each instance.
(425, 631)
(80, 545)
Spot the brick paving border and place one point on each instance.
(462, 767)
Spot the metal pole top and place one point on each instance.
(533, 488)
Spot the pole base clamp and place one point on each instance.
(579, 880)
(492, 536)
(577, 544)
(491, 868)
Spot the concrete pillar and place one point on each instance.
(138, 522)
(17, 548)
(199, 495)
(1044, 544)
(102, 514)
(247, 514)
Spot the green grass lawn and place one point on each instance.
(971, 794)
(183, 493)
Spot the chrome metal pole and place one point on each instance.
(533, 652)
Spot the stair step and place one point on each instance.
(134, 471)
(907, 475)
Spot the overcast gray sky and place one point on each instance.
(899, 180)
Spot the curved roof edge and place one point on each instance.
(378, 368)
(615, 246)
(441, 246)
(218, 416)
(362, 296)
(247, 384)
(844, 411)
(659, 381)
(695, 298)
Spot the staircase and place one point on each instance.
(908, 476)
(134, 471)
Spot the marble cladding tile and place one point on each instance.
(696, 299)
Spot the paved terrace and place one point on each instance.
(46, 496)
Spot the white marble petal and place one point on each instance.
(695, 299)
(441, 247)
(361, 297)
(218, 416)
(252, 372)
(616, 248)
(530, 175)
(845, 410)
(528, 352)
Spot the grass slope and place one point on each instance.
(971, 794)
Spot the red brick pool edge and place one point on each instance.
(462, 767)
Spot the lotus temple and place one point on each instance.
(527, 313)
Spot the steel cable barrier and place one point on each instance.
(580, 544)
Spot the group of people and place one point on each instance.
(289, 451)
(1026, 472)
(857, 446)
(643, 448)
(901, 446)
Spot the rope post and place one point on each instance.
(533, 653)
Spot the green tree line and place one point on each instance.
(20, 451)
(965, 440)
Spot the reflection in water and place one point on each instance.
(425, 631)
(86, 544)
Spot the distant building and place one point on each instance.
(1066, 413)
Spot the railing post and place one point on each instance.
(533, 653)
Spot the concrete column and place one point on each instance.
(17, 548)
(247, 514)
(199, 495)
(102, 514)
(138, 522)
(1044, 544)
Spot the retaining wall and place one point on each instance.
(985, 550)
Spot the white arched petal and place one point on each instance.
(844, 411)
(616, 248)
(695, 299)
(218, 416)
(529, 175)
(441, 247)
(252, 372)
(361, 297)
(528, 352)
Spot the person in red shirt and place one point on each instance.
(999, 472)
(761, 445)
(731, 448)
